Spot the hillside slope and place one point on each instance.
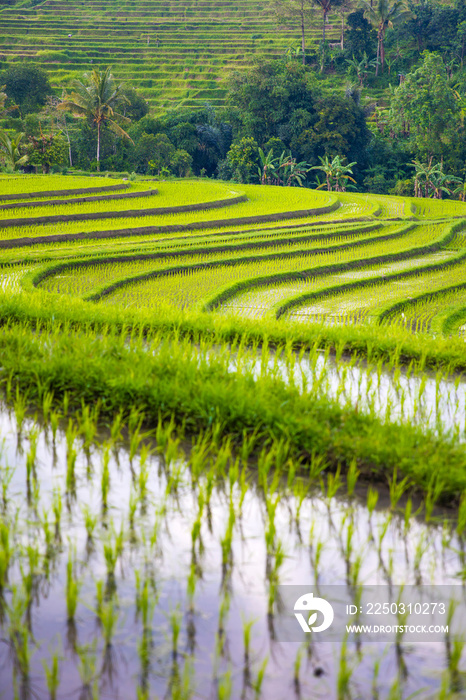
(175, 52)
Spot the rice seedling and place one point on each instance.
(297, 669)
(31, 455)
(461, 518)
(87, 666)
(226, 544)
(6, 554)
(52, 675)
(259, 680)
(108, 618)
(352, 477)
(72, 587)
(269, 409)
(345, 673)
(174, 619)
(20, 409)
(397, 488)
(105, 480)
(54, 422)
(71, 455)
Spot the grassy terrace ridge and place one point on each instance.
(178, 54)
(205, 280)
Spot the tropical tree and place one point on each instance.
(424, 108)
(361, 68)
(267, 168)
(292, 12)
(10, 151)
(3, 98)
(383, 16)
(325, 6)
(282, 170)
(337, 174)
(460, 190)
(294, 173)
(242, 158)
(431, 181)
(47, 150)
(27, 85)
(97, 98)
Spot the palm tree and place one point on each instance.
(325, 6)
(382, 16)
(291, 12)
(96, 98)
(10, 149)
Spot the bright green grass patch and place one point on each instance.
(261, 201)
(16, 184)
(170, 194)
(191, 286)
(359, 303)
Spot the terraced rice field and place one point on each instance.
(177, 53)
(257, 251)
(212, 396)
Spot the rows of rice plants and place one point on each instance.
(77, 278)
(195, 192)
(366, 301)
(192, 286)
(427, 312)
(165, 469)
(17, 184)
(191, 266)
(259, 202)
(266, 300)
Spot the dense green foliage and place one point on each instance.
(390, 92)
(213, 361)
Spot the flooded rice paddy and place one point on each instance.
(131, 568)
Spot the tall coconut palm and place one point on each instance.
(325, 6)
(382, 16)
(97, 98)
(291, 12)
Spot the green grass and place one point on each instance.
(345, 269)
(275, 201)
(171, 425)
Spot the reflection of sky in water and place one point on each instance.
(169, 561)
(424, 399)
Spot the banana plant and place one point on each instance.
(267, 167)
(337, 174)
(431, 181)
(10, 151)
(361, 68)
(294, 173)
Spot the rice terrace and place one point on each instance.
(232, 350)
(179, 439)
